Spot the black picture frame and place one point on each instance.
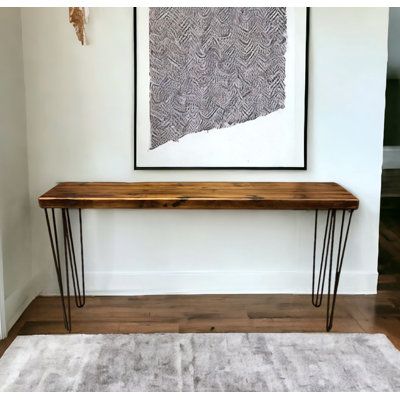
(306, 83)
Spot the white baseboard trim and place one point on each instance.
(215, 282)
(16, 302)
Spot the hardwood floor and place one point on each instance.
(389, 232)
(389, 242)
(213, 313)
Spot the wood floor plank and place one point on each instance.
(213, 313)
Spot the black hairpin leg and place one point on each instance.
(327, 261)
(78, 291)
(69, 263)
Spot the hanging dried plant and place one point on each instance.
(78, 17)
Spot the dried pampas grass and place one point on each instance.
(78, 16)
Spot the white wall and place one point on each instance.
(79, 118)
(3, 327)
(15, 239)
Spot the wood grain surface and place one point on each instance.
(200, 195)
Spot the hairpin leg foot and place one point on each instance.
(329, 267)
(70, 263)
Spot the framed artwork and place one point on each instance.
(220, 87)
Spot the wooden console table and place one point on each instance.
(317, 196)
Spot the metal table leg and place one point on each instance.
(70, 263)
(327, 261)
(326, 265)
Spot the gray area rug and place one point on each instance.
(201, 362)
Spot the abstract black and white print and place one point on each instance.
(212, 68)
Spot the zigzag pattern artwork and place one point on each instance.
(214, 67)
